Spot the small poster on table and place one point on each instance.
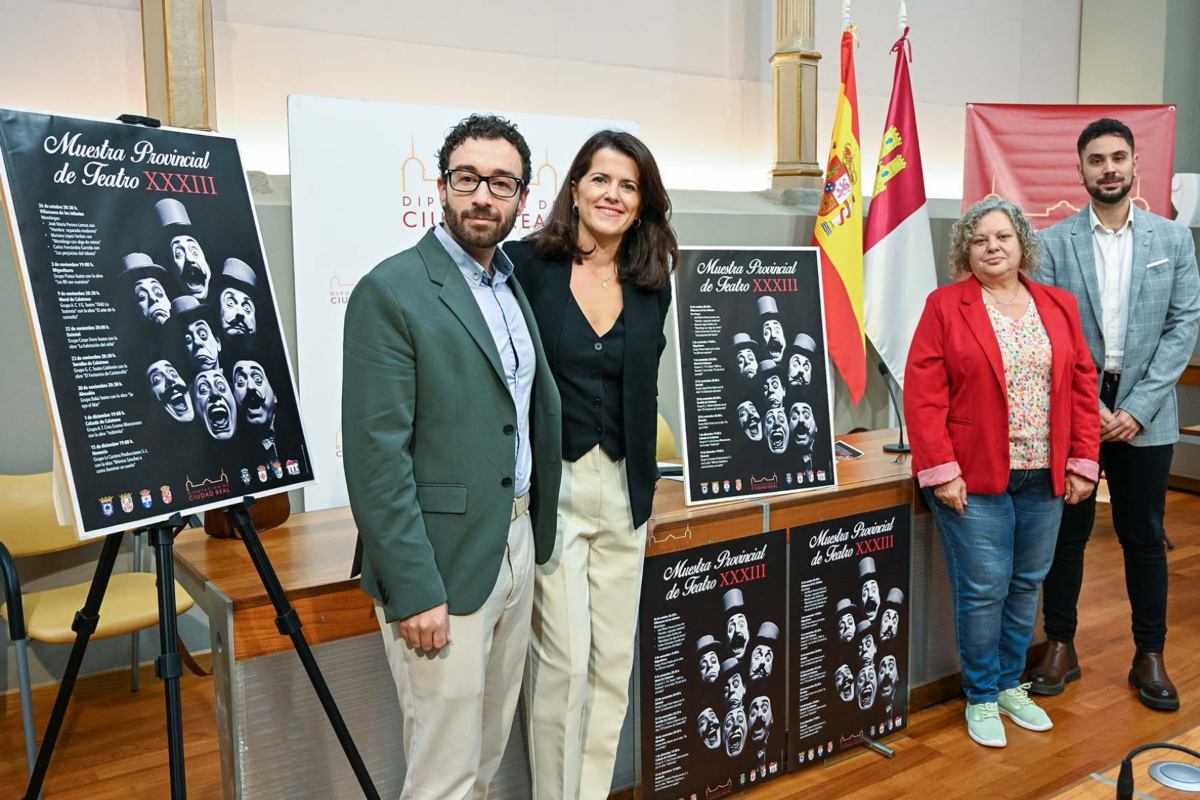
(850, 628)
(713, 645)
(155, 320)
(754, 372)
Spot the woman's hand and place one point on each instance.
(954, 494)
(1079, 489)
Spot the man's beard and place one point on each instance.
(1100, 195)
(473, 238)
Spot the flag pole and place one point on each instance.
(902, 22)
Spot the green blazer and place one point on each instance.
(427, 437)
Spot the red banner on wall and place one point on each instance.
(1026, 154)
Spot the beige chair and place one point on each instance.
(665, 449)
(29, 527)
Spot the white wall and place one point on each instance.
(692, 73)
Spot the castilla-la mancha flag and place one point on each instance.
(838, 233)
(898, 268)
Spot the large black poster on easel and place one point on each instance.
(154, 317)
(754, 372)
(713, 646)
(848, 658)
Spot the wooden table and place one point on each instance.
(275, 740)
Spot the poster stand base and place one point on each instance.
(878, 747)
(169, 665)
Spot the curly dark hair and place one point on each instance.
(485, 126)
(1104, 126)
(649, 251)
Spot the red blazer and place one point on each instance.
(956, 400)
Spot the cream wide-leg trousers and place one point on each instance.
(585, 606)
(458, 704)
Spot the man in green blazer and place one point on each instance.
(451, 441)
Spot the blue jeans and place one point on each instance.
(997, 553)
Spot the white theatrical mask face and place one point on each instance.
(889, 677)
(202, 345)
(152, 300)
(750, 421)
(710, 667)
(214, 403)
(747, 362)
(866, 649)
(737, 634)
(799, 370)
(865, 686)
(772, 338)
(777, 431)
(804, 426)
(846, 626)
(735, 731)
(710, 728)
(238, 316)
(889, 624)
(761, 719)
(774, 392)
(843, 680)
(191, 266)
(762, 661)
(870, 598)
(253, 393)
(170, 390)
(735, 690)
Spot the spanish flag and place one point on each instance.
(839, 235)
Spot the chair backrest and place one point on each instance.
(28, 524)
(665, 448)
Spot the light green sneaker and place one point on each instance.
(1016, 704)
(984, 725)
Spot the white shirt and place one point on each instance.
(1113, 251)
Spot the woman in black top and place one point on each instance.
(598, 279)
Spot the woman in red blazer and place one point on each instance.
(1000, 398)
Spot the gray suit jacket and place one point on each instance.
(427, 436)
(1164, 311)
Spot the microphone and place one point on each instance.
(899, 447)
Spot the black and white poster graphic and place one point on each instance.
(713, 652)
(154, 315)
(849, 643)
(754, 372)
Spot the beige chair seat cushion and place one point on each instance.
(130, 604)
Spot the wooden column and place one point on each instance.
(794, 74)
(178, 49)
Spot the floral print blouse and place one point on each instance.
(1025, 349)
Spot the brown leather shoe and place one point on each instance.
(1149, 677)
(1058, 667)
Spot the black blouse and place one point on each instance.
(589, 373)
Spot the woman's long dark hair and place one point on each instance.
(648, 251)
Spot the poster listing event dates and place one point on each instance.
(154, 318)
(713, 650)
(849, 632)
(754, 372)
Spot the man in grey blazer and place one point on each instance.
(452, 447)
(1136, 279)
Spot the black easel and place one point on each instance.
(168, 666)
(288, 623)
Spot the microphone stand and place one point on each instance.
(899, 447)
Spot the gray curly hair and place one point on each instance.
(964, 229)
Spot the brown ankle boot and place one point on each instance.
(1058, 667)
(1149, 677)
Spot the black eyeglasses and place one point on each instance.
(464, 181)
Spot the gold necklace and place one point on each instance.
(605, 281)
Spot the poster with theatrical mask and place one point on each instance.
(154, 317)
(848, 662)
(754, 372)
(713, 651)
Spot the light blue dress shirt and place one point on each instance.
(511, 335)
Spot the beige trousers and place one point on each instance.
(458, 704)
(584, 621)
